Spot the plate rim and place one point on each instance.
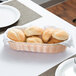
(15, 9)
(63, 63)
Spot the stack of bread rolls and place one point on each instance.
(35, 34)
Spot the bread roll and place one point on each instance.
(34, 30)
(53, 41)
(16, 35)
(60, 34)
(47, 34)
(34, 40)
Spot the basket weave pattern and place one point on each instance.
(22, 46)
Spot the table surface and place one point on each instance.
(50, 72)
(65, 10)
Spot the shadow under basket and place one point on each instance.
(32, 47)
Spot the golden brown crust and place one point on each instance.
(34, 30)
(60, 34)
(47, 34)
(53, 41)
(34, 40)
(16, 35)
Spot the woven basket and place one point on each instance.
(45, 48)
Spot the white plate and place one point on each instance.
(66, 68)
(8, 15)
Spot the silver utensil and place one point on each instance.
(75, 60)
(75, 64)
